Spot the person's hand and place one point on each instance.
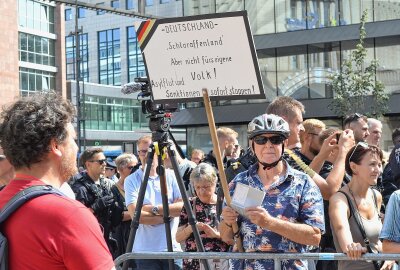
(229, 215)
(355, 250)
(346, 140)
(258, 215)
(101, 203)
(209, 232)
(387, 265)
(328, 146)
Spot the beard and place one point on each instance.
(68, 168)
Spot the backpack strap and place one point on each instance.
(23, 196)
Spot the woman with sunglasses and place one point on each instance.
(355, 208)
(291, 217)
(124, 164)
(204, 180)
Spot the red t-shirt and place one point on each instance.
(52, 232)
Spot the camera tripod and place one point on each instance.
(159, 126)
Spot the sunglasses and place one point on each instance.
(353, 117)
(142, 151)
(362, 144)
(130, 167)
(2, 157)
(276, 140)
(111, 169)
(100, 161)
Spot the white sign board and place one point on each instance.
(184, 55)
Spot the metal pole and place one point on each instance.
(77, 76)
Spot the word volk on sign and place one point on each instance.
(214, 51)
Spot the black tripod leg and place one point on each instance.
(139, 205)
(191, 217)
(164, 198)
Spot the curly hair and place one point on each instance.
(28, 125)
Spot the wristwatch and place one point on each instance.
(155, 211)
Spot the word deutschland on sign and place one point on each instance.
(215, 51)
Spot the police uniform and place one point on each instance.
(108, 213)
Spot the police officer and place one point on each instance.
(94, 191)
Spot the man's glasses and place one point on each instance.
(276, 140)
(100, 161)
(362, 144)
(130, 167)
(109, 168)
(142, 151)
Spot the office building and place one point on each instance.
(299, 44)
(30, 31)
(110, 57)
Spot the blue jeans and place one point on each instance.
(157, 264)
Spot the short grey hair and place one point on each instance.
(204, 172)
(122, 160)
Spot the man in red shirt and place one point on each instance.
(48, 232)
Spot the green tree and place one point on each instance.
(355, 82)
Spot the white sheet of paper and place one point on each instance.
(246, 196)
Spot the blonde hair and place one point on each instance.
(309, 127)
(225, 133)
(122, 160)
(144, 139)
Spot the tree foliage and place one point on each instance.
(355, 82)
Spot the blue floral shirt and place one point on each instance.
(295, 198)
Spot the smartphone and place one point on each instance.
(337, 137)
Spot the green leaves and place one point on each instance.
(356, 81)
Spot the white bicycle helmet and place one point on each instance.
(268, 124)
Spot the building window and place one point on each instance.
(68, 14)
(81, 13)
(109, 57)
(100, 11)
(36, 49)
(149, 2)
(32, 80)
(113, 114)
(135, 59)
(70, 57)
(130, 4)
(38, 16)
(115, 4)
(164, 1)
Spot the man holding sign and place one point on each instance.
(290, 216)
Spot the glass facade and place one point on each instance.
(135, 59)
(68, 14)
(81, 13)
(70, 56)
(130, 4)
(32, 80)
(109, 57)
(106, 113)
(36, 15)
(36, 49)
(275, 16)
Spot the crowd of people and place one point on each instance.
(324, 192)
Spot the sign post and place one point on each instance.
(214, 51)
(200, 58)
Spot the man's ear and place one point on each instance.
(55, 148)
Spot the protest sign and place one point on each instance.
(214, 51)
